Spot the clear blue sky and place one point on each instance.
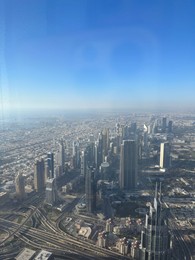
(97, 53)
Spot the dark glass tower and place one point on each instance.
(155, 238)
(90, 191)
(128, 165)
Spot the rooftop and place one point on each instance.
(43, 255)
(25, 254)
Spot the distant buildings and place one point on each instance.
(155, 238)
(128, 165)
(20, 186)
(90, 191)
(170, 127)
(39, 176)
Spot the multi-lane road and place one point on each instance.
(49, 237)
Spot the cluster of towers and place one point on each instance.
(96, 157)
(45, 173)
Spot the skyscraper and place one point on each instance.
(128, 165)
(50, 165)
(39, 175)
(155, 238)
(105, 143)
(50, 191)
(76, 154)
(61, 158)
(133, 127)
(164, 124)
(170, 126)
(20, 186)
(90, 191)
(83, 163)
(165, 156)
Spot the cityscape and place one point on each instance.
(97, 129)
(98, 186)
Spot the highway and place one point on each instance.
(185, 253)
(51, 239)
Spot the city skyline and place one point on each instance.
(97, 54)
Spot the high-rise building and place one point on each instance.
(165, 155)
(90, 155)
(83, 163)
(105, 170)
(50, 191)
(20, 186)
(97, 157)
(61, 158)
(155, 238)
(164, 124)
(39, 175)
(75, 155)
(128, 165)
(50, 165)
(105, 143)
(133, 127)
(90, 190)
(170, 127)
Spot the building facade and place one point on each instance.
(50, 191)
(90, 191)
(165, 155)
(20, 186)
(39, 175)
(128, 165)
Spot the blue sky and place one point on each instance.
(72, 54)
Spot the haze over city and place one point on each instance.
(97, 129)
(97, 54)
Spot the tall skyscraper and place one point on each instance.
(164, 124)
(155, 238)
(50, 191)
(83, 163)
(20, 186)
(76, 155)
(39, 175)
(90, 191)
(61, 159)
(99, 147)
(50, 165)
(105, 143)
(128, 165)
(165, 155)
